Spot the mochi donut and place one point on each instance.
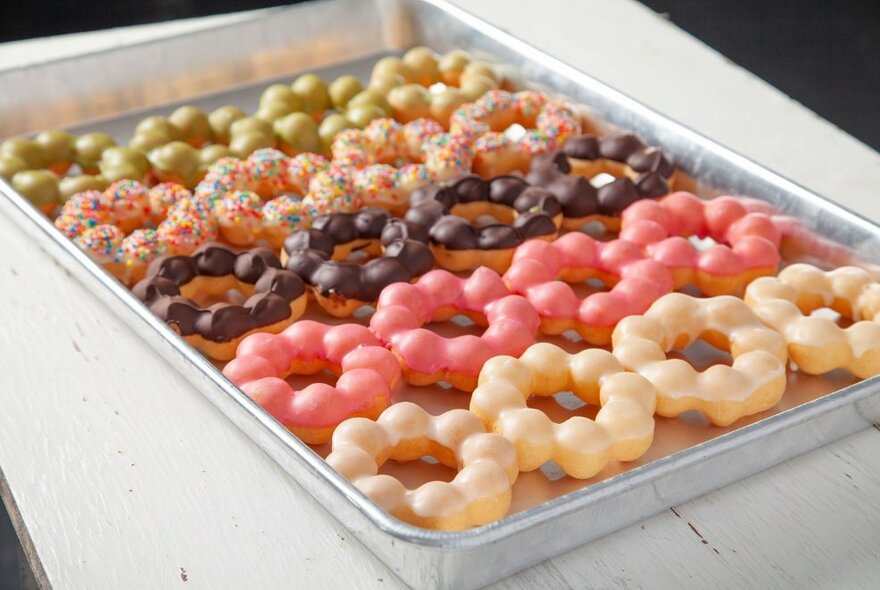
(404, 308)
(392, 251)
(641, 172)
(449, 211)
(544, 272)
(818, 344)
(548, 123)
(275, 297)
(754, 382)
(622, 431)
(424, 84)
(747, 243)
(485, 464)
(367, 374)
(422, 150)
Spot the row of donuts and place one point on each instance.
(499, 432)
(227, 201)
(303, 116)
(366, 215)
(652, 256)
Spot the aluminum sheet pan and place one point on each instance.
(231, 64)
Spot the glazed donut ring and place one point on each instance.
(541, 272)
(818, 344)
(367, 373)
(319, 256)
(548, 123)
(486, 464)
(450, 209)
(755, 382)
(642, 172)
(747, 242)
(276, 297)
(403, 308)
(623, 429)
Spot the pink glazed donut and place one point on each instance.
(747, 245)
(538, 265)
(367, 374)
(439, 295)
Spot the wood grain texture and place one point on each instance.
(126, 477)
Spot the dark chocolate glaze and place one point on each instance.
(576, 194)
(274, 290)
(432, 206)
(405, 256)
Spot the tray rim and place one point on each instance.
(521, 521)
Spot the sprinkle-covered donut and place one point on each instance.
(818, 344)
(393, 251)
(622, 431)
(404, 308)
(450, 210)
(276, 297)
(485, 463)
(548, 123)
(754, 382)
(367, 373)
(377, 155)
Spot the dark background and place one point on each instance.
(824, 54)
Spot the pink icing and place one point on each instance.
(403, 309)
(537, 264)
(747, 238)
(368, 371)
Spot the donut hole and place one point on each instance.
(462, 320)
(301, 381)
(457, 325)
(561, 406)
(702, 354)
(586, 288)
(482, 213)
(207, 293)
(412, 474)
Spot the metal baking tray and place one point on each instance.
(113, 89)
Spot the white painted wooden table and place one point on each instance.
(119, 475)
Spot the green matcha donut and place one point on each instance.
(299, 133)
(313, 90)
(343, 89)
(40, 187)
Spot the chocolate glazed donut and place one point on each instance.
(642, 172)
(449, 210)
(276, 297)
(396, 251)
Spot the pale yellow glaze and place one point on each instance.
(623, 429)
(818, 344)
(481, 491)
(755, 382)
